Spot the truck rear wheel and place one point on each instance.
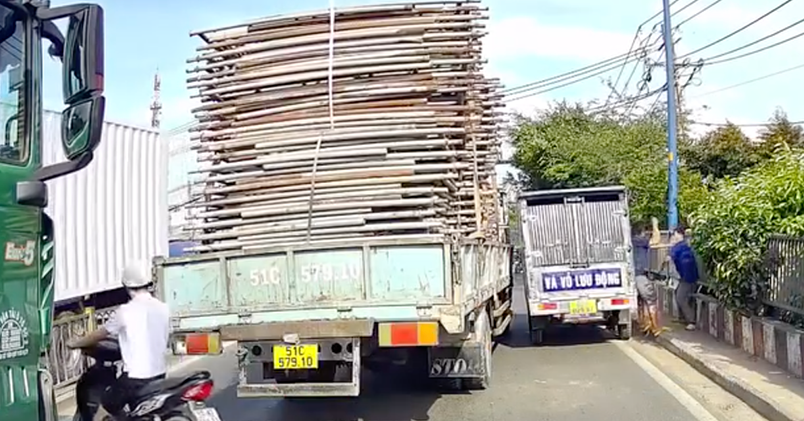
(624, 331)
(482, 334)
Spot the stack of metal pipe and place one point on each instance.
(346, 123)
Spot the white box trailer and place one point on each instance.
(112, 211)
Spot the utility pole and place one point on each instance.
(672, 117)
(681, 131)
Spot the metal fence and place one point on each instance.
(66, 365)
(785, 264)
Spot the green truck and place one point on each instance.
(26, 271)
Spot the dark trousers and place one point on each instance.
(685, 294)
(123, 391)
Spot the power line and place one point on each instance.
(734, 50)
(744, 27)
(756, 79)
(658, 98)
(625, 102)
(758, 50)
(630, 77)
(621, 58)
(646, 73)
(682, 9)
(620, 74)
(525, 91)
(616, 59)
(659, 13)
(529, 92)
(697, 14)
(701, 123)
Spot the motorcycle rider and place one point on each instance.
(142, 327)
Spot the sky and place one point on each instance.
(527, 41)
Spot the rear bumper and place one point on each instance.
(561, 307)
(257, 380)
(318, 329)
(302, 390)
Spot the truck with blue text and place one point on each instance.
(346, 209)
(26, 270)
(578, 264)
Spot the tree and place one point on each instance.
(780, 133)
(568, 147)
(723, 152)
(732, 228)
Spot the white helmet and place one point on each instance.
(136, 275)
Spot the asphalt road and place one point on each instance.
(580, 374)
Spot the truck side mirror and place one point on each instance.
(82, 72)
(82, 126)
(82, 84)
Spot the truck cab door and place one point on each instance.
(20, 327)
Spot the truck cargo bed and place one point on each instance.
(378, 279)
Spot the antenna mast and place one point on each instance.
(156, 103)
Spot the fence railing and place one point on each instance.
(783, 294)
(785, 283)
(66, 365)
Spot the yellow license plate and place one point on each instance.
(295, 357)
(583, 307)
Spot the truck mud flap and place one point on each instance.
(465, 361)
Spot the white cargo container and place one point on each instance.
(112, 211)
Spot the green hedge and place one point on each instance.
(731, 229)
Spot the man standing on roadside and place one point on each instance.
(648, 312)
(683, 258)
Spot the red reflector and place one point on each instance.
(619, 302)
(549, 306)
(198, 393)
(197, 344)
(404, 334)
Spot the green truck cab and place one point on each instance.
(26, 234)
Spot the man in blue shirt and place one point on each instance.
(683, 258)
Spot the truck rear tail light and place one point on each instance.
(619, 301)
(408, 334)
(548, 306)
(198, 393)
(198, 344)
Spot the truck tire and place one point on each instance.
(482, 334)
(536, 328)
(624, 331)
(537, 336)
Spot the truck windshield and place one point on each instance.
(13, 148)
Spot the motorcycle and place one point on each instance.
(170, 399)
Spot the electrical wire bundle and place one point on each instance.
(639, 52)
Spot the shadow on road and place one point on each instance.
(400, 396)
(383, 398)
(556, 336)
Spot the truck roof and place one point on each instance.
(568, 192)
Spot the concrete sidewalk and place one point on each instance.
(772, 392)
